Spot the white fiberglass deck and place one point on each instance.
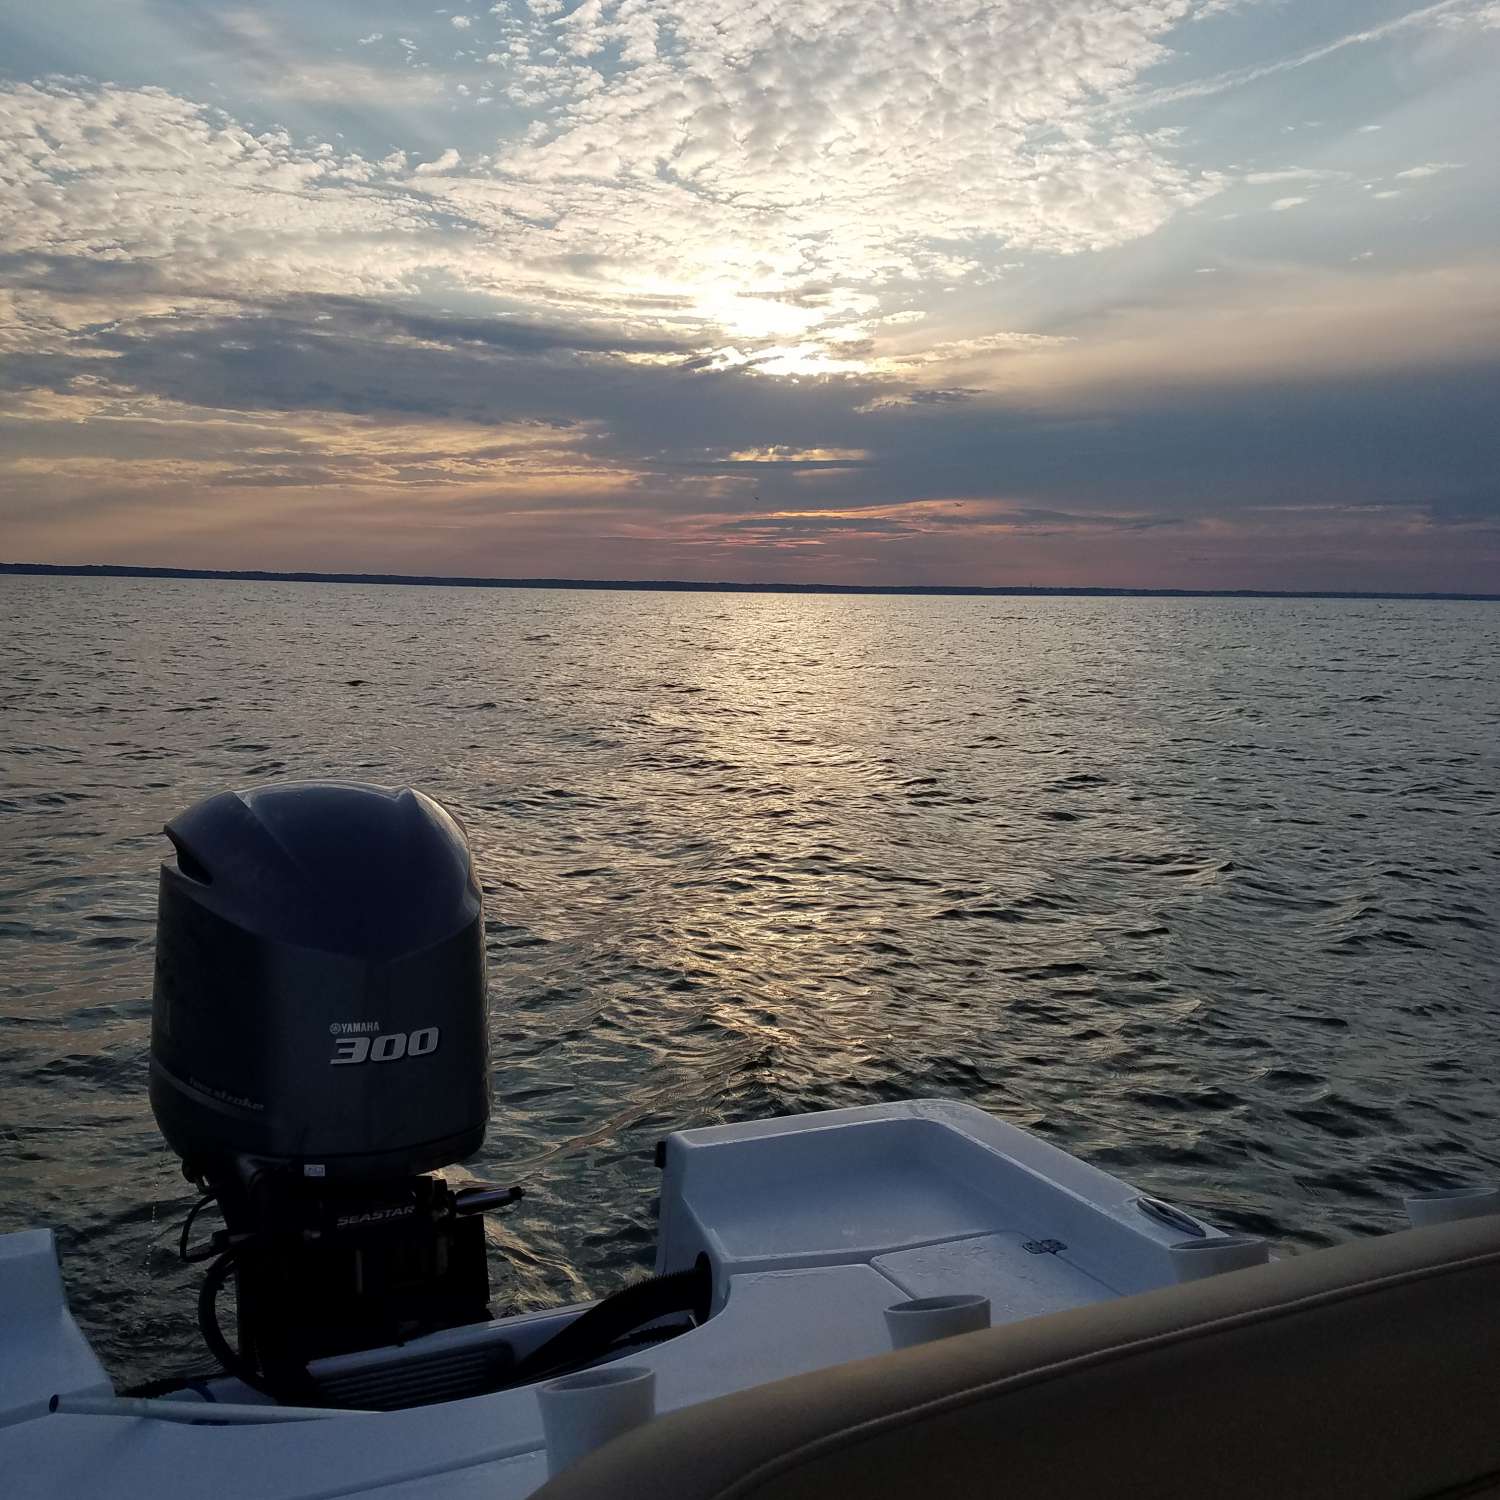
(813, 1224)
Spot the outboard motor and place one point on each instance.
(319, 1044)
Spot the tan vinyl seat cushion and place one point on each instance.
(1369, 1370)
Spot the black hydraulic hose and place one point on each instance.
(593, 1332)
(184, 1254)
(208, 1324)
(164, 1385)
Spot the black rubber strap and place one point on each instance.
(592, 1333)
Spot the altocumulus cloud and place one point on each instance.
(705, 271)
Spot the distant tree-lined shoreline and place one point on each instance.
(687, 586)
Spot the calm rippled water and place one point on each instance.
(1203, 890)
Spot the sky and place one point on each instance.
(1140, 293)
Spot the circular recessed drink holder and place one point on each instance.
(585, 1411)
(923, 1319)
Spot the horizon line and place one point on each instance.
(690, 586)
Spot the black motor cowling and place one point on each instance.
(320, 987)
(319, 1040)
